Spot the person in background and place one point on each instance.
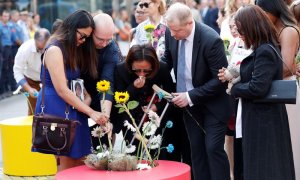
(108, 55)
(36, 21)
(289, 42)
(69, 52)
(140, 16)
(155, 10)
(267, 150)
(22, 23)
(8, 38)
(27, 67)
(55, 25)
(196, 53)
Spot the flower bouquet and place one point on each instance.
(124, 160)
(149, 28)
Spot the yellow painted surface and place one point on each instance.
(18, 160)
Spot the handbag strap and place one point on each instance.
(43, 90)
(281, 59)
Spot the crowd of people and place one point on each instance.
(219, 128)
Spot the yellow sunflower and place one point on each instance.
(121, 97)
(149, 28)
(103, 86)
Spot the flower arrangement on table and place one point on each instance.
(106, 159)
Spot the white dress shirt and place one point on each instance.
(27, 63)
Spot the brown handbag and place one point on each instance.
(50, 134)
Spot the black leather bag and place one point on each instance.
(281, 91)
(52, 135)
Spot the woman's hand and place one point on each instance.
(139, 82)
(221, 75)
(99, 117)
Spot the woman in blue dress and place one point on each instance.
(69, 52)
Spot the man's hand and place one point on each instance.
(180, 99)
(33, 93)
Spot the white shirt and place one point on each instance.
(27, 62)
(188, 62)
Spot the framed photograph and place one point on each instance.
(77, 88)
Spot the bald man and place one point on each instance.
(108, 56)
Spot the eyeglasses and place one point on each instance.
(145, 4)
(108, 41)
(82, 35)
(146, 71)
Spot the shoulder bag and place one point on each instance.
(281, 91)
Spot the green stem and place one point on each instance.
(123, 140)
(139, 133)
(103, 110)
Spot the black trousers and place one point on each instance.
(209, 159)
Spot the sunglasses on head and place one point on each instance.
(146, 71)
(82, 35)
(145, 4)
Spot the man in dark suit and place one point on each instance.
(108, 55)
(196, 53)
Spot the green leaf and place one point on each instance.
(110, 92)
(118, 105)
(132, 104)
(121, 110)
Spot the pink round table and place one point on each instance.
(167, 170)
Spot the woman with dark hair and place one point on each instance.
(289, 40)
(267, 150)
(70, 51)
(140, 71)
(287, 29)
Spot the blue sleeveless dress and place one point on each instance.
(56, 106)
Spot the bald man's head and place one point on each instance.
(104, 30)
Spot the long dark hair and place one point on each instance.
(255, 26)
(84, 56)
(144, 52)
(279, 9)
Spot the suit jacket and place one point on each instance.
(208, 95)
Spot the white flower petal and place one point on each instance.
(142, 166)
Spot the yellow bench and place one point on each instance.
(18, 160)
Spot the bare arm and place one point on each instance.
(55, 66)
(289, 41)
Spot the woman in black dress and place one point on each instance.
(267, 151)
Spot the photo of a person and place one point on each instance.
(77, 88)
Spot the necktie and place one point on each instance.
(181, 66)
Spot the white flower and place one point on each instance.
(142, 166)
(98, 131)
(155, 142)
(149, 128)
(154, 117)
(129, 126)
(130, 149)
(102, 154)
